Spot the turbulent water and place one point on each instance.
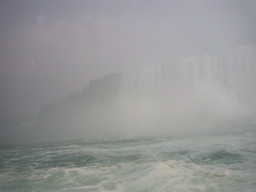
(217, 162)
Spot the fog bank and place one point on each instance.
(190, 96)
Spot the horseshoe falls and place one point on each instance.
(193, 92)
(187, 125)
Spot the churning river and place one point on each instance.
(216, 162)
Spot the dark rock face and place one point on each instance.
(99, 91)
(71, 117)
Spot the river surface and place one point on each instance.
(217, 162)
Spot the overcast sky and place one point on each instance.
(51, 48)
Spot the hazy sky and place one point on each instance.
(51, 48)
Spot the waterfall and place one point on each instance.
(234, 69)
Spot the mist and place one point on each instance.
(53, 51)
(203, 108)
(199, 95)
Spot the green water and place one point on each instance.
(224, 162)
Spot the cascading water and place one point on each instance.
(233, 69)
